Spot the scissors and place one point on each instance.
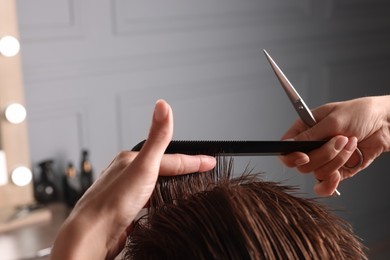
(300, 105)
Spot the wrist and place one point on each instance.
(80, 238)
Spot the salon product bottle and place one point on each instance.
(45, 190)
(86, 174)
(71, 185)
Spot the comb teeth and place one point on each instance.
(237, 148)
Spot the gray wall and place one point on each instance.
(93, 70)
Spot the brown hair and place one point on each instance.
(214, 216)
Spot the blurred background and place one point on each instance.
(92, 71)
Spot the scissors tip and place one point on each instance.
(268, 57)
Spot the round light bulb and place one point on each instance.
(9, 46)
(15, 113)
(21, 176)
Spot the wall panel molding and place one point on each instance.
(225, 118)
(136, 17)
(302, 53)
(53, 20)
(65, 131)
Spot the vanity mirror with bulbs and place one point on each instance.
(15, 169)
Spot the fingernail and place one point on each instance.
(211, 160)
(161, 110)
(301, 161)
(351, 145)
(340, 143)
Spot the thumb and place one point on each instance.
(160, 133)
(145, 167)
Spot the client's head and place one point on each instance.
(215, 216)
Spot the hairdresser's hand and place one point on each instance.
(362, 123)
(99, 223)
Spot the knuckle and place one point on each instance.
(346, 174)
(304, 136)
(159, 134)
(321, 174)
(180, 168)
(336, 122)
(124, 158)
(332, 155)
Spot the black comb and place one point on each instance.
(238, 148)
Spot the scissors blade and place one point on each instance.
(298, 103)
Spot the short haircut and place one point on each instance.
(215, 216)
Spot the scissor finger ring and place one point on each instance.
(359, 163)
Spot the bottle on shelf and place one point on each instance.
(86, 173)
(45, 191)
(71, 185)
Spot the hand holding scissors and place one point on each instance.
(328, 176)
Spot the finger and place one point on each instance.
(324, 129)
(176, 164)
(328, 186)
(295, 159)
(297, 127)
(138, 180)
(160, 135)
(324, 154)
(300, 131)
(320, 131)
(353, 160)
(370, 149)
(142, 172)
(338, 162)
